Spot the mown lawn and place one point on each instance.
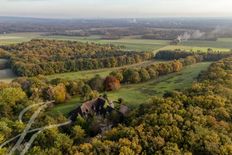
(136, 94)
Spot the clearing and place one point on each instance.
(102, 72)
(136, 94)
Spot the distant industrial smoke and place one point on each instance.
(198, 34)
(210, 35)
(184, 37)
(191, 35)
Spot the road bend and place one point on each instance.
(28, 145)
(31, 121)
(28, 108)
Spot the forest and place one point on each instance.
(192, 121)
(126, 77)
(49, 56)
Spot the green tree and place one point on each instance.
(131, 76)
(96, 83)
(144, 74)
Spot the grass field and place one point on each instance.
(6, 39)
(222, 44)
(225, 43)
(192, 48)
(131, 43)
(91, 73)
(136, 94)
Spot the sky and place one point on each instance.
(116, 8)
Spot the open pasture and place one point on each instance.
(14, 38)
(192, 48)
(221, 43)
(91, 73)
(136, 94)
(131, 43)
(128, 43)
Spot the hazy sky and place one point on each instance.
(115, 8)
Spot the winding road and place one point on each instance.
(21, 137)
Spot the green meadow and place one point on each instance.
(91, 73)
(136, 94)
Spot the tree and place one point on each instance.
(131, 76)
(96, 83)
(78, 134)
(177, 66)
(59, 93)
(10, 96)
(153, 74)
(86, 92)
(111, 83)
(118, 75)
(144, 75)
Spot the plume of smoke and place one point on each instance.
(212, 35)
(184, 37)
(198, 35)
(191, 35)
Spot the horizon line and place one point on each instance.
(99, 18)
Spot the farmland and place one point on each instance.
(131, 43)
(225, 43)
(193, 48)
(14, 38)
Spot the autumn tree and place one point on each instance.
(111, 83)
(59, 93)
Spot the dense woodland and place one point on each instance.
(48, 57)
(194, 121)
